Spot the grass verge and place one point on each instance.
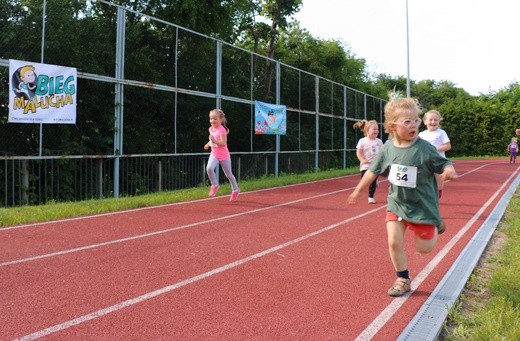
(489, 308)
(54, 210)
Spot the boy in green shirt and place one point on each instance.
(413, 202)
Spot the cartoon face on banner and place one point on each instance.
(270, 119)
(41, 93)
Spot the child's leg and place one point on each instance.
(372, 189)
(396, 232)
(226, 167)
(210, 169)
(425, 245)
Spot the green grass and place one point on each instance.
(495, 315)
(54, 210)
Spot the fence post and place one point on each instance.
(99, 179)
(159, 175)
(203, 172)
(317, 122)
(238, 169)
(276, 157)
(119, 97)
(25, 181)
(345, 137)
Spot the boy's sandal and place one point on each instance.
(400, 287)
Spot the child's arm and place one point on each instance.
(449, 173)
(366, 180)
(444, 147)
(221, 142)
(361, 156)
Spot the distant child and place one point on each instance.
(366, 151)
(513, 149)
(436, 136)
(219, 153)
(413, 201)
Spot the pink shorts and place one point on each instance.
(423, 231)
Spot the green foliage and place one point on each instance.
(82, 34)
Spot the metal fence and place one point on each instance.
(118, 158)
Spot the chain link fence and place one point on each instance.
(145, 87)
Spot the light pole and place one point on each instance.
(407, 54)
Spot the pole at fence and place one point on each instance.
(345, 136)
(44, 18)
(317, 122)
(277, 154)
(119, 97)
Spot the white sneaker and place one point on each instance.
(371, 200)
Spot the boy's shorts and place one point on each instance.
(423, 231)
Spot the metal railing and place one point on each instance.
(118, 158)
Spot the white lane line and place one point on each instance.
(122, 240)
(130, 302)
(32, 225)
(396, 304)
(167, 289)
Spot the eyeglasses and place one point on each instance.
(408, 123)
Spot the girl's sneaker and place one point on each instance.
(371, 200)
(213, 190)
(234, 196)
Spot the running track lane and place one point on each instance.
(287, 263)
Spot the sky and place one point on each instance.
(475, 44)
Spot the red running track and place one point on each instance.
(288, 263)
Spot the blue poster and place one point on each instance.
(270, 119)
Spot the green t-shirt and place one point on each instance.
(419, 203)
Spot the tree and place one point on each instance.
(261, 36)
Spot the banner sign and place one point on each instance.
(270, 119)
(41, 93)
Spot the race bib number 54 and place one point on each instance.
(404, 176)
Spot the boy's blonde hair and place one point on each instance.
(395, 108)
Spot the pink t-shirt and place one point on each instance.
(220, 152)
(370, 149)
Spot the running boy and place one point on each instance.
(413, 201)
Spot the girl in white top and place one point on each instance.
(437, 137)
(367, 149)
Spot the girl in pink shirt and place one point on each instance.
(366, 151)
(219, 153)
